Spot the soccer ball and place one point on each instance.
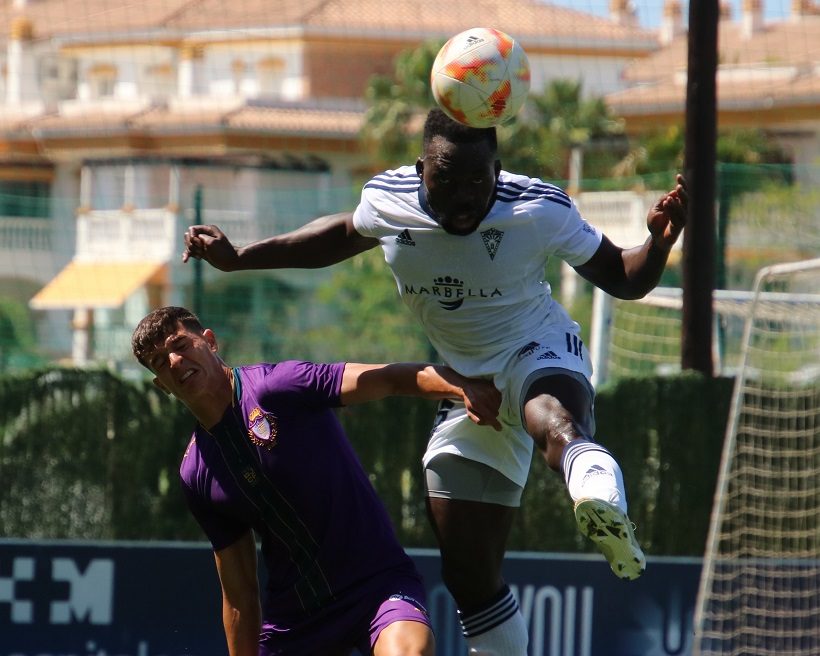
(481, 77)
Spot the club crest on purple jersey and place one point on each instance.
(262, 428)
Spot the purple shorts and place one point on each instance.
(353, 621)
(399, 607)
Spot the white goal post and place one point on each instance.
(759, 593)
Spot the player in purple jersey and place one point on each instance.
(268, 457)
(468, 244)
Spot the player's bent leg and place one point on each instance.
(557, 412)
(405, 638)
(556, 409)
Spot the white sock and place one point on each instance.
(590, 471)
(497, 629)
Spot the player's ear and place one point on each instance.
(210, 337)
(160, 386)
(420, 166)
(497, 167)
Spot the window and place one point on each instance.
(25, 199)
(271, 75)
(158, 80)
(237, 75)
(102, 80)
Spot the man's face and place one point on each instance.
(460, 180)
(186, 365)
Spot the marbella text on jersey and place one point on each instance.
(451, 289)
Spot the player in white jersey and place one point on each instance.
(468, 243)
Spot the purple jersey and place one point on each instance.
(279, 462)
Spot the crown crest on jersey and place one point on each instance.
(492, 240)
(262, 428)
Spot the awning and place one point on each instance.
(97, 285)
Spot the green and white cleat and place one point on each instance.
(610, 529)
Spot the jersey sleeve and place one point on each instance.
(366, 216)
(309, 385)
(576, 240)
(220, 530)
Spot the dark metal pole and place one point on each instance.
(197, 291)
(699, 167)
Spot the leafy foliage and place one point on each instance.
(396, 105)
(555, 122)
(368, 323)
(250, 314)
(17, 336)
(663, 150)
(86, 455)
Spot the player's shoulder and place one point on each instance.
(517, 188)
(295, 376)
(403, 180)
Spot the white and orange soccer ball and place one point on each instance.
(481, 77)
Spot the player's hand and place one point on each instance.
(482, 401)
(667, 217)
(209, 243)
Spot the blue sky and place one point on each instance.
(649, 11)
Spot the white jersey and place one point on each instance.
(479, 295)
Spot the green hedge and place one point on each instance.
(87, 455)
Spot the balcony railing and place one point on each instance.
(18, 234)
(106, 235)
(27, 249)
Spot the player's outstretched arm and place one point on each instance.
(634, 272)
(369, 382)
(241, 611)
(320, 243)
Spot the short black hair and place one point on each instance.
(438, 124)
(156, 326)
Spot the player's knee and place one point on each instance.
(551, 427)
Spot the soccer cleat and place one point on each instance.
(610, 529)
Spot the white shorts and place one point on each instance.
(556, 349)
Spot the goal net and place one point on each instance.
(643, 337)
(760, 587)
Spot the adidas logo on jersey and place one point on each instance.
(549, 355)
(405, 239)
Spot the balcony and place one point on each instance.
(26, 249)
(126, 235)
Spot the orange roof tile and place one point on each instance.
(774, 67)
(670, 96)
(778, 43)
(527, 20)
(292, 121)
